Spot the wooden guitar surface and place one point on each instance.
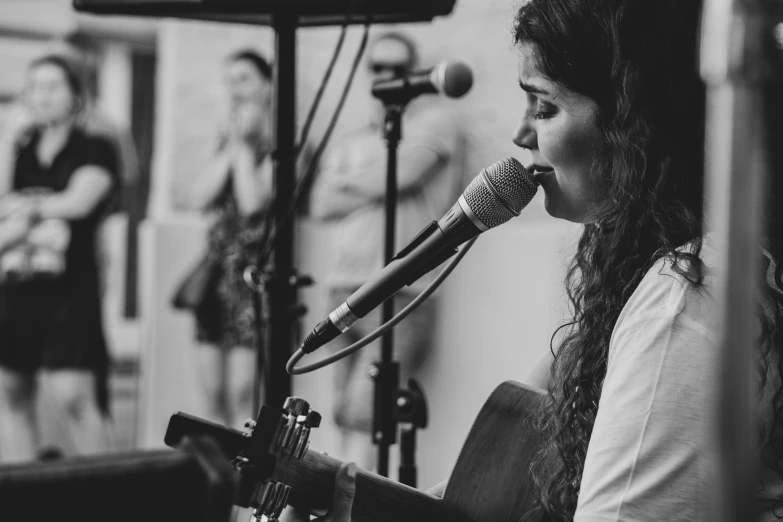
(491, 481)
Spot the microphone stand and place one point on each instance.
(275, 304)
(386, 372)
(391, 404)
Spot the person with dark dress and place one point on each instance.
(50, 320)
(236, 189)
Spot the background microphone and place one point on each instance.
(496, 195)
(453, 79)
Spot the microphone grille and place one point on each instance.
(455, 80)
(500, 192)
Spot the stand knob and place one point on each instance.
(313, 419)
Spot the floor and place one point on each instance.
(123, 385)
(124, 405)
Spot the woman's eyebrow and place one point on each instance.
(534, 89)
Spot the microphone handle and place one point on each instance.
(405, 88)
(431, 247)
(428, 250)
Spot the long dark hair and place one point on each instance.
(260, 63)
(638, 61)
(771, 310)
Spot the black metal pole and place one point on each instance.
(282, 293)
(387, 372)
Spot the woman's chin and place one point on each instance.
(559, 211)
(552, 208)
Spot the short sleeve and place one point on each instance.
(650, 452)
(101, 152)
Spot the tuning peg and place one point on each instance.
(296, 406)
(313, 419)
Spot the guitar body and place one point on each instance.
(490, 483)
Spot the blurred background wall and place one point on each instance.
(162, 78)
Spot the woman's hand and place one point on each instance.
(12, 231)
(438, 489)
(15, 205)
(342, 501)
(248, 123)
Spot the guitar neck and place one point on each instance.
(378, 499)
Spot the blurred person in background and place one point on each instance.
(57, 176)
(84, 52)
(237, 191)
(350, 191)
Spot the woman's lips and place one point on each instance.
(540, 172)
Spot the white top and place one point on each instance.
(651, 454)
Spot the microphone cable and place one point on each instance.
(291, 367)
(270, 229)
(268, 219)
(319, 94)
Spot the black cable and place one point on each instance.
(291, 367)
(304, 181)
(269, 217)
(318, 95)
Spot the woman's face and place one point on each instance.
(245, 84)
(50, 97)
(560, 129)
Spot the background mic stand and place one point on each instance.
(386, 373)
(258, 281)
(410, 410)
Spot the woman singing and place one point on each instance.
(613, 112)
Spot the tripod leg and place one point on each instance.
(407, 468)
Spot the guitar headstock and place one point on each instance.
(253, 453)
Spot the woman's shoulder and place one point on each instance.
(669, 308)
(95, 149)
(678, 284)
(89, 137)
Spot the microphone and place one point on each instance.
(453, 79)
(497, 194)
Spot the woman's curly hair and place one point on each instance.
(638, 61)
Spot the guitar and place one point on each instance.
(490, 481)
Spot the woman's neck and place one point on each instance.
(54, 136)
(57, 130)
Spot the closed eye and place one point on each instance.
(540, 109)
(543, 110)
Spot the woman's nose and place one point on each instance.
(524, 135)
